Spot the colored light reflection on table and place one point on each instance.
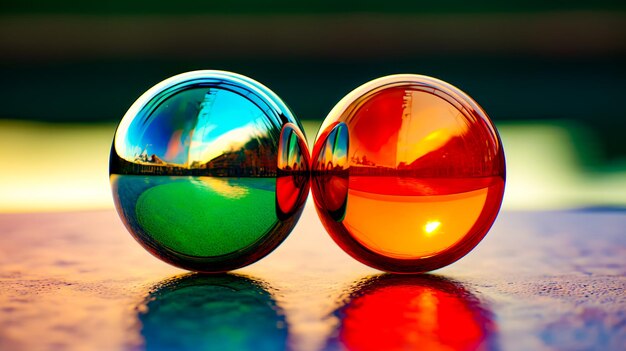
(78, 281)
(417, 312)
(219, 312)
(408, 173)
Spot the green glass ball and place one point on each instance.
(209, 170)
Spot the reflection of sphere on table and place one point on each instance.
(217, 312)
(209, 170)
(413, 313)
(408, 173)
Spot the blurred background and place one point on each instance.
(551, 74)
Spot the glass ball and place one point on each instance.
(209, 170)
(408, 173)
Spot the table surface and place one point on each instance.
(539, 280)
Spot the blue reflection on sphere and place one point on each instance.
(209, 170)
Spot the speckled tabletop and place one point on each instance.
(539, 280)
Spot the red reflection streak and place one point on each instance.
(378, 123)
(409, 317)
(409, 186)
(287, 193)
(292, 183)
(334, 190)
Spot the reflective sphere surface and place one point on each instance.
(209, 170)
(408, 173)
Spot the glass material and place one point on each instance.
(408, 173)
(424, 312)
(209, 170)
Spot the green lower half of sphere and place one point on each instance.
(199, 216)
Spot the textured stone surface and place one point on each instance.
(77, 281)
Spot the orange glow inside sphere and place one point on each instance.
(408, 173)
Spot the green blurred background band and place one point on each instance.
(85, 61)
(290, 6)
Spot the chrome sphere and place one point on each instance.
(209, 170)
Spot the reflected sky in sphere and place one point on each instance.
(209, 170)
(181, 140)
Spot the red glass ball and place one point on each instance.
(408, 173)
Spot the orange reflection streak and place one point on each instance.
(286, 193)
(426, 313)
(174, 146)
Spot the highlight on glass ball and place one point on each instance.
(408, 173)
(209, 170)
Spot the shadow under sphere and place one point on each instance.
(217, 312)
